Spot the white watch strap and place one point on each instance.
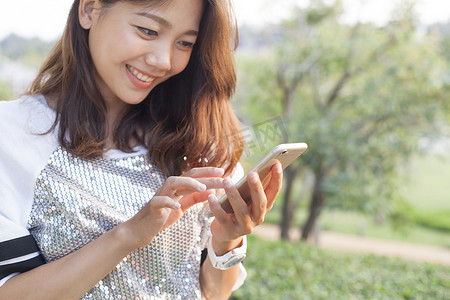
(219, 262)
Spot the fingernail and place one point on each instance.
(201, 187)
(253, 178)
(177, 205)
(220, 171)
(212, 198)
(278, 168)
(227, 183)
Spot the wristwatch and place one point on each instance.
(229, 259)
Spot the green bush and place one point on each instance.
(439, 220)
(282, 270)
(5, 91)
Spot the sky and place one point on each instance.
(46, 18)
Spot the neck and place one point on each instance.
(114, 115)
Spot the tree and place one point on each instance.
(30, 51)
(5, 91)
(359, 95)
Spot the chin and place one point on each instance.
(134, 99)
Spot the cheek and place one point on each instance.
(180, 62)
(104, 43)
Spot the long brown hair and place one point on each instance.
(186, 121)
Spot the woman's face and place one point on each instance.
(134, 47)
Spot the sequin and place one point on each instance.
(78, 200)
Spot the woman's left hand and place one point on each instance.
(228, 228)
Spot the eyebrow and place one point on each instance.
(164, 22)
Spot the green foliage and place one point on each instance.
(282, 270)
(30, 51)
(360, 96)
(439, 220)
(425, 191)
(445, 47)
(249, 96)
(5, 91)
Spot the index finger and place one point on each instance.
(179, 186)
(204, 172)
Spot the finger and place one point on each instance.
(259, 201)
(220, 214)
(160, 202)
(204, 172)
(274, 186)
(179, 186)
(211, 182)
(194, 198)
(238, 204)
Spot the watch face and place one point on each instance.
(234, 260)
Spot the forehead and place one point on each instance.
(158, 5)
(174, 11)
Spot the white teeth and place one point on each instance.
(140, 76)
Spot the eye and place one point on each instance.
(147, 32)
(187, 45)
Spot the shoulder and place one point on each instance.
(24, 151)
(23, 123)
(27, 111)
(23, 142)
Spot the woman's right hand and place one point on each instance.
(170, 202)
(55, 280)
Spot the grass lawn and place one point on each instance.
(428, 188)
(282, 270)
(354, 223)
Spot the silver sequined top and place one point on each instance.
(77, 200)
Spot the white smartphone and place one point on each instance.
(283, 153)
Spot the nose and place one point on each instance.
(160, 57)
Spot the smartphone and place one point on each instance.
(283, 153)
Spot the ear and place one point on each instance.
(85, 9)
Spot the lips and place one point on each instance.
(139, 78)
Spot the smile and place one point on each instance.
(139, 75)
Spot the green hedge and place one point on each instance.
(282, 270)
(439, 220)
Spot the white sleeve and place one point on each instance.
(237, 173)
(241, 277)
(23, 153)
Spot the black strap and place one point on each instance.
(17, 247)
(204, 255)
(21, 267)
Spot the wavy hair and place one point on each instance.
(186, 121)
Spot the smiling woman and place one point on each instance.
(155, 51)
(156, 45)
(123, 139)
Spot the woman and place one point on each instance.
(123, 137)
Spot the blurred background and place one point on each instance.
(365, 212)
